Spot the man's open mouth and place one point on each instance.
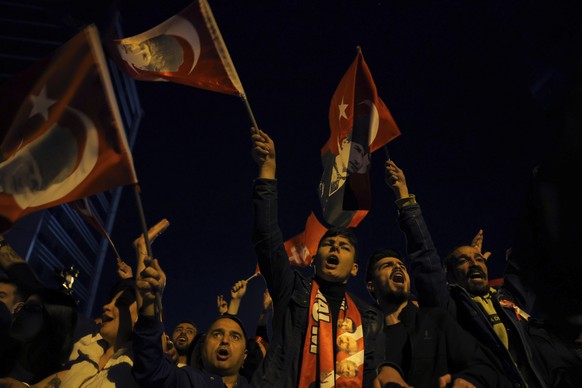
(106, 318)
(476, 275)
(223, 354)
(333, 260)
(398, 277)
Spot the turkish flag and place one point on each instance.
(188, 48)
(61, 133)
(303, 246)
(360, 123)
(83, 207)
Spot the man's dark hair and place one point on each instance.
(188, 322)
(195, 360)
(20, 297)
(377, 256)
(347, 233)
(450, 261)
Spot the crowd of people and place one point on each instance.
(454, 330)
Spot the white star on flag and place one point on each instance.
(342, 109)
(41, 103)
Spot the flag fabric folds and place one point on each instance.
(188, 48)
(360, 123)
(83, 207)
(303, 246)
(61, 133)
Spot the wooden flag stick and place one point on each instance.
(250, 112)
(253, 276)
(158, 302)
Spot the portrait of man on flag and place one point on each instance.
(52, 164)
(61, 133)
(360, 123)
(162, 53)
(173, 47)
(187, 49)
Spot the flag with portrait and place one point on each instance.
(360, 123)
(188, 48)
(61, 133)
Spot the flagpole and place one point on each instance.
(158, 301)
(250, 112)
(253, 276)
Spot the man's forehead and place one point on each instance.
(7, 287)
(185, 325)
(388, 259)
(226, 324)
(339, 238)
(466, 251)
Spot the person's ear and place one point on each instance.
(17, 307)
(354, 270)
(370, 287)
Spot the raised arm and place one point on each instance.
(425, 263)
(267, 237)
(261, 330)
(151, 368)
(221, 305)
(477, 242)
(264, 154)
(237, 292)
(150, 281)
(267, 308)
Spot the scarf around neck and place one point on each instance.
(340, 360)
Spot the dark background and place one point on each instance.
(469, 84)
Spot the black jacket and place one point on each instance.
(291, 292)
(544, 357)
(436, 346)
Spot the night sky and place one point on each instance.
(456, 75)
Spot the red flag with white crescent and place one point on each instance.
(302, 247)
(188, 48)
(61, 133)
(360, 123)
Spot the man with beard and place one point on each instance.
(430, 347)
(182, 338)
(307, 345)
(531, 355)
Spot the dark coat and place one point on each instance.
(152, 369)
(436, 346)
(545, 357)
(291, 292)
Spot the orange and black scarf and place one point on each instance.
(340, 361)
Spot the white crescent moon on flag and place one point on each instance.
(181, 27)
(374, 120)
(82, 170)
